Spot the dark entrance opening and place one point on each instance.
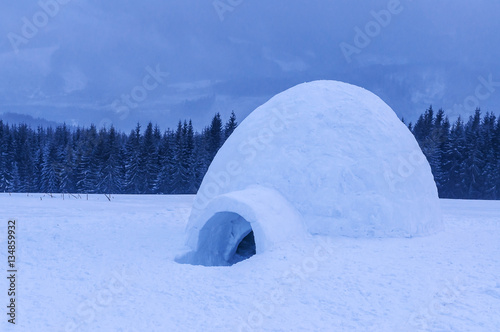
(245, 249)
(226, 239)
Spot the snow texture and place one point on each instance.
(328, 155)
(230, 217)
(101, 266)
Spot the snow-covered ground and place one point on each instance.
(95, 265)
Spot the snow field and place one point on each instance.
(109, 266)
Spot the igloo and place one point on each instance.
(322, 158)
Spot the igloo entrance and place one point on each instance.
(245, 249)
(235, 226)
(226, 239)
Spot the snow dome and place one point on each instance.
(323, 157)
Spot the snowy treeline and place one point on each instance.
(465, 156)
(92, 160)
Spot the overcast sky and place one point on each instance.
(84, 61)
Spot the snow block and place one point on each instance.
(216, 233)
(323, 157)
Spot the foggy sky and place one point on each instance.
(78, 60)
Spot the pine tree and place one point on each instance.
(215, 136)
(134, 167)
(189, 161)
(453, 160)
(50, 168)
(13, 185)
(230, 126)
(474, 161)
(496, 166)
(64, 159)
(439, 137)
(430, 136)
(165, 152)
(24, 158)
(86, 163)
(489, 173)
(10, 167)
(150, 159)
(178, 175)
(111, 181)
(40, 142)
(3, 157)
